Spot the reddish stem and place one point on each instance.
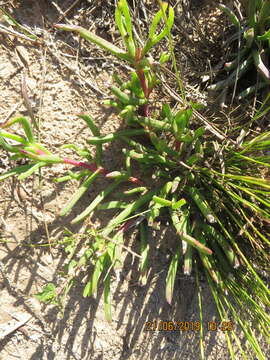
(24, 152)
(144, 109)
(177, 145)
(135, 180)
(142, 79)
(91, 167)
(40, 152)
(131, 223)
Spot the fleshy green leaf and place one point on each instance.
(234, 19)
(116, 51)
(170, 279)
(107, 299)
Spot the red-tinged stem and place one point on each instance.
(142, 79)
(135, 180)
(40, 152)
(24, 152)
(91, 167)
(29, 154)
(131, 223)
(126, 226)
(177, 145)
(144, 109)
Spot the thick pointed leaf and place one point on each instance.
(107, 299)
(234, 19)
(170, 279)
(116, 51)
(79, 193)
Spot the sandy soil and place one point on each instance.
(65, 77)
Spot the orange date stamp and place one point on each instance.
(160, 325)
